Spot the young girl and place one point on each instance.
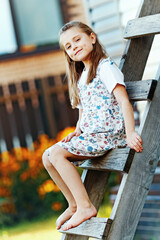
(97, 88)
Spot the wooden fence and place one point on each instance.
(31, 108)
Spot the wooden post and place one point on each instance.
(48, 108)
(35, 104)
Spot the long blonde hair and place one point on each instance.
(74, 68)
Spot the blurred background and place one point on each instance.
(35, 111)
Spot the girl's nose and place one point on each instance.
(74, 47)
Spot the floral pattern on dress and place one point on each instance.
(102, 122)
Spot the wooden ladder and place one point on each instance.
(138, 168)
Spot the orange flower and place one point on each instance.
(30, 160)
(41, 190)
(18, 153)
(64, 133)
(8, 208)
(24, 176)
(48, 186)
(56, 189)
(4, 192)
(5, 156)
(6, 181)
(57, 206)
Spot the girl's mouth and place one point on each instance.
(78, 51)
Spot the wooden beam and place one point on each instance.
(141, 27)
(93, 227)
(114, 160)
(141, 90)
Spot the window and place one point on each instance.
(7, 35)
(29, 25)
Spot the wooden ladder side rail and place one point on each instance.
(140, 176)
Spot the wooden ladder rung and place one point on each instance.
(117, 159)
(93, 227)
(143, 26)
(141, 90)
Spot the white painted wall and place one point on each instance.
(104, 18)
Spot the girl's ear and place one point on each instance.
(93, 38)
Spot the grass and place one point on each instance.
(37, 230)
(41, 229)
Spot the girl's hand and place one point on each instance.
(75, 133)
(134, 141)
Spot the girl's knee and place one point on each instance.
(47, 164)
(55, 155)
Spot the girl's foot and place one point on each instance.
(68, 213)
(80, 216)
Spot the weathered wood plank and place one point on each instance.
(140, 176)
(113, 160)
(94, 182)
(73, 237)
(142, 26)
(93, 227)
(141, 90)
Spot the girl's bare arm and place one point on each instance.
(79, 120)
(133, 139)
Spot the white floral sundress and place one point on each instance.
(102, 122)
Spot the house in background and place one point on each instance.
(33, 94)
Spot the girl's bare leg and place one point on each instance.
(85, 210)
(64, 189)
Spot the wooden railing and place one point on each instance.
(31, 108)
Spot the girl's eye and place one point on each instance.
(68, 47)
(77, 39)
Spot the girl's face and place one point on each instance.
(77, 44)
